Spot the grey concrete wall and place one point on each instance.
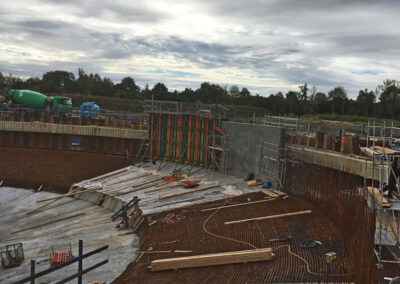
(246, 146)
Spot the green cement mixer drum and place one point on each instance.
(29, 98)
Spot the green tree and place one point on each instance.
(304, 92)
(293, 101)
(84, 83)
(146, 92)
(127, 88)
(245, 93)
(210, 93)
(34, 83)
(2, 82)
(365, 101)
(338, 98)
(319, 103)
(160, 91)
(389, 95)
(58, 82)
(234, 91)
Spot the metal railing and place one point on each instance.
(79, 259)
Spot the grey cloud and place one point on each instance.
(281, 29)
(132, 11)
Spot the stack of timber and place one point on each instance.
(385, 150)
(369, 152)
(273, 193)
(378, 197)
(243, 256)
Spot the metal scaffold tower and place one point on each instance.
(273, 165)
(380, 151)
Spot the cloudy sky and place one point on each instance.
(264, 45)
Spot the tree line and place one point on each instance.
(383, 102)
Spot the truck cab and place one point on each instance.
(62, 103)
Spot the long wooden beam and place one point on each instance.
(269, 217)
(212, 259)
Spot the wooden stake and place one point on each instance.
(269, 217)
(1, 183)
(40, 188)
(47, 223)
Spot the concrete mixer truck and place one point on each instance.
(27, 99)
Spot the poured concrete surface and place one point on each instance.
(113, 196)
(246, 142)
(94, 228)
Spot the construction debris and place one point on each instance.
(212, 259)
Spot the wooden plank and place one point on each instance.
(186, 191)
(387, 150)
(243, 256)
(47, 223)
(378, 197)
(269, 217)
(240, 204)
(269, 193)
(280, 193)
(369, 151)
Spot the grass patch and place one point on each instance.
(356, 119)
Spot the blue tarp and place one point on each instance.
(89, 110)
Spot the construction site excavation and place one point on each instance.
(183, 193)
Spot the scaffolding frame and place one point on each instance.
(289, 123)
(377, 170)
(273, 164)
